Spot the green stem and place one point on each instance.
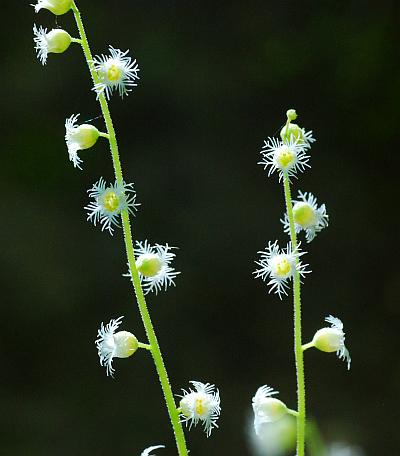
(301, 392)
(155, 348)
(307, 346)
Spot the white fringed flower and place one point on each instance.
(56, 41)
(79, 137)
(111, 344)
(148, 450)
(267, 409)
(153, 263)
(201, 404)
(57, 7)
(284, 157)
(116, 72)
(279, 266)
(109, 202)
(332, 339)
(307, 216)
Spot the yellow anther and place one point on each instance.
(282, 267)
(285, 157)
(199, 407)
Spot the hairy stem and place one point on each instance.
(151, 335)
(298, 350)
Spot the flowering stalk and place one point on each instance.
(154, 346)
(301, 392)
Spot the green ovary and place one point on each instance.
(285, 157)
(304, 215)
(149, 264)
(114, 73)
(110, 201)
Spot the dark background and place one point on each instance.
(216, 79)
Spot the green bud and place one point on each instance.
(125, 344)
(292, 132)
(85, 136)
(291, 114)
(58, 41)
(57, 7)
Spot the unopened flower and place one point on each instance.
(267, 409)
(284, 157)
(153, 263)
(294, 133)
(108, 203)
(307, 216)
(279, 265)
(116, 72)
(111, 344)
(148, 450)
(332, 339)
(79, 137)
(201, 404)
(56, 41)
(57, 7)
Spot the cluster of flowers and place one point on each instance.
(118, 72)
(288, 156)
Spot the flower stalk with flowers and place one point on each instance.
(149, 266)
(288, 156)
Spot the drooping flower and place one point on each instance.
(332, 339)
(201, 404)
(108, 203)
(284, 157)
(267, 409)
(307, 216)
(153, 263)
(116, 72)
(57, 7)
(111, 344)
(79, 137)
(148, 450)
(279, 266)
(56, 41)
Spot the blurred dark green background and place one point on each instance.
(216, 79)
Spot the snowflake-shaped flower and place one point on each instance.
(279, 266)
(153, 263)
(267, 409)
(332, 339)
(307, 216)
(116, 72)
(56, 41)
(284, 157)
(108, 203)
(111, 344)
(201, 404)
(79, 137)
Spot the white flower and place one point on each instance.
(114, 345)
(267, 409)
(285, 157)
(79, 137)
(148, 450)
(109, 202)
(116, 72)
(307, 216)
(57, 7)
(279, 266)
(56, 41)
(332, 339)
(153, 264)
(202, 404)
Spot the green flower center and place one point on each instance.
(114, 73)
(304, 215)
(110, 201)
(149, 264)
(282, 267)
(285, 157)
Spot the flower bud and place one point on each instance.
(291, 114)
(125, 344)
(328, 339)
(292, 132)
(58, 41)
(270, 409)
(57, 7)
(149, 264)
(85, 136)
